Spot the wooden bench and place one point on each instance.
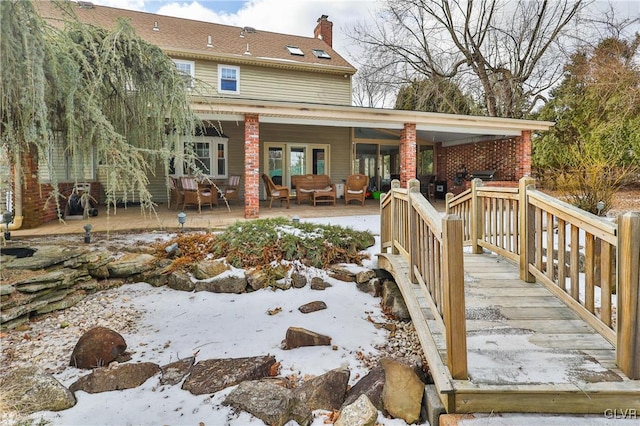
(315, 188)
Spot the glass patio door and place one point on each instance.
(297, 161)
(380, 162)
(275, 163)
(283, 160)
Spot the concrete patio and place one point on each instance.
(133, 219)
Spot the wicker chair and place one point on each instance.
(176, 194)
(356, 188)
(232, 188)
(194, 194)
(275, 192)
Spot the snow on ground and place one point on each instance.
(176, 325)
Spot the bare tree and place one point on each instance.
(502, 52)
(370, 91)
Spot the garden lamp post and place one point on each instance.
(182, 219)
(87, 233)
(7, 218)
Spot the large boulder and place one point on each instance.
(270, 402)
(393, 302)
(402, 392)
(365, 276)
(371, 386)
(297, 337)
(210, 376)
(223, 284)
(317, 283)
(298, 280)
(209, 268)
(31, 389)
(97, 348)
(131, 264)
(359, 413)
(173, 373)
(314, 306)
(118, 377)
(180, 280)
(325, 392)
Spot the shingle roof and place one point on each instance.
(189, 38)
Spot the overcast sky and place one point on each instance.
(296, 17)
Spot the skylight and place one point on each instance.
(295, 50)
(321, 54)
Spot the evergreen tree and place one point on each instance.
(594, 148)
(91, 93)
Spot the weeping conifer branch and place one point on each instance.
(92, 93)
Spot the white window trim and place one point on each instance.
(213, 156)
(231, 92)
(192, 68)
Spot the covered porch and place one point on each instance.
(284, 139)
(287, 139)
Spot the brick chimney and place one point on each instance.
(324, 30)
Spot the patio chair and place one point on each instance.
(176, 195)
(275, 192)
(356, 188)
(195, 194)
(232, 188)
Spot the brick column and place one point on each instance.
(408, 147)
(251, 166)
(523, 155)
(32, 199)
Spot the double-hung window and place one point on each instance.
(187, 70)
(228, 79)
(210, 155)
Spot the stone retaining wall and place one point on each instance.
(58, 277)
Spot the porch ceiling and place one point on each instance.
(450, 129)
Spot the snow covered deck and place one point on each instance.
(527, 351)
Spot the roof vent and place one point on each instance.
(247, 52)
(85, 4)
(155, 26)
(209, 41)
(249, 30)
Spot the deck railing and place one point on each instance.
(412, 227)
(581, 258)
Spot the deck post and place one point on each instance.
(628, 344)
(414, 188)
(447, 200)
(395, 184)
(526, 229)
(477, 217)
(453, 300)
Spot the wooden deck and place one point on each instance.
(527, 351)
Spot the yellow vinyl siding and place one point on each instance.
(156, 186)
(64, 169)
(280, 85)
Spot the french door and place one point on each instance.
(283, 160)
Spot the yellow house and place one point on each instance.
(281, 104)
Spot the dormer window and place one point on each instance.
(321, 54)
(295, 50)
(187, 70)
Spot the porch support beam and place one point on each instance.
(251, 166)
(523, 155)
(408, 147)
